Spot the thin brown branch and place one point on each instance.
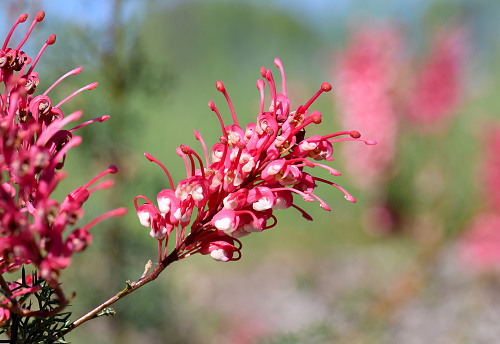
(131, 287)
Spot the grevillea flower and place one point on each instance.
(437, 84)
(367, 72)
(479, 247)
(33, 147)
(252, 172)
(490, 166)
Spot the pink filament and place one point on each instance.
(270, 80)
(144, 198)
(88, 87)
(111, 169)
(74, 72)
(51, 40)
(182, 155)
(214, 109)
(278, 64)
(199, 138)
(304, 214)
(22, 18)
(221, 88)
(261, 86)
(348, 196)
(39, 17)
(116, 212)
(101, 186)
(98, 119)
(325, 87)
(191, 152)
(153, 159)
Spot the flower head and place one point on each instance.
(438, 83)
(367, 71)
(253, 171)
(479, 246)
(33, 147)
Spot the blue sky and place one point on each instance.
(95, 11)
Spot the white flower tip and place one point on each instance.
(262, 204)
(225, 224)
(164, 204)
(219, 255)
(197, 193)
(144, 218)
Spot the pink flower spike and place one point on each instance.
(51, 40)
(220, 87)
(39, 17)
(88, 87)
(153, 159)
(22, 18)
(72, 72)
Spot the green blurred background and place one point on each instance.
(343, 278)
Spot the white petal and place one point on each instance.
(197, 193)
(224, 224)
(144, 218)
(262, 204)
(164, 204)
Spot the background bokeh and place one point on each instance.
(416, 260)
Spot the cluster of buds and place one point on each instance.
(253, 171)
(33, 146)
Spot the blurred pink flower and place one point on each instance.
(479, 246)
(367, 70)
(33, 147)
(436, 87)
(490, 168)
(253, 172)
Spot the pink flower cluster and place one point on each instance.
(438, 83)
(33, 146)
(380, 89)
(479, 247)
(367, 71)
(253, 172)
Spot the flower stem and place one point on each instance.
(131, 286)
